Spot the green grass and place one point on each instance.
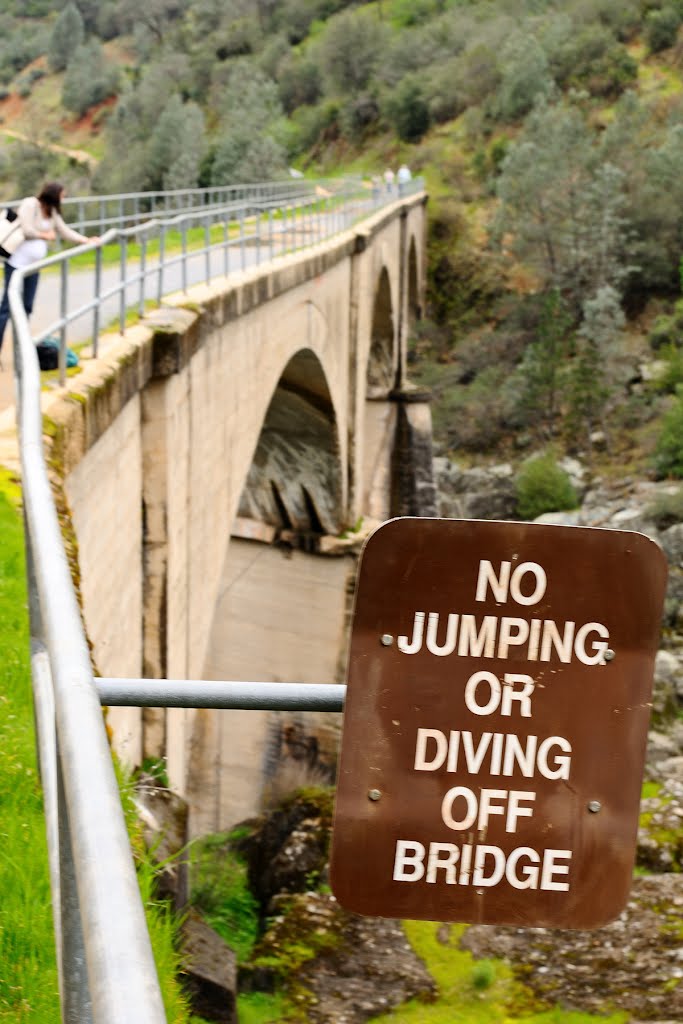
(221, 893)
(260, 1008)
(28, 973)
(195, 239)
(471, 991)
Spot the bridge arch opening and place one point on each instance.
(295, 479)
(281, 611)
(381, 370)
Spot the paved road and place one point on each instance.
(81, 288)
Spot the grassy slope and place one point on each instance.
(28, 974)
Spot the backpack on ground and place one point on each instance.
(48, 354)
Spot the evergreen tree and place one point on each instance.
(89, 78)
(177, 145)
(543, 367)
(589, 388)
(562, 209)
(67, 36)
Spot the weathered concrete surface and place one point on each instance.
(153, 443)
(280, 617)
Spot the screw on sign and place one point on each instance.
(495, 725)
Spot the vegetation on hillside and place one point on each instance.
(550, 133)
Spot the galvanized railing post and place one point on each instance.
(143, 269)
(122, 293)
(183, 263)
(101, 916)
(207, 246)
(160, 271)
(63, 303)
(258, 235)
(96, 309)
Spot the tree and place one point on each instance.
(543, 364)
(67, 36)
(177, 146)
(250, 115)
(89, 78)
(408, 109)
(155, 15)
(562, 210)
(351, 49)
(661, 28)
(243, 156)
(603, 319)
(524, 77)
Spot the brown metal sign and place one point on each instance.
(495, 726)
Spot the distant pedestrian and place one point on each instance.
(389, 177)
(25, 240)
(403, 177)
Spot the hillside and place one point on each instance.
(550, 134)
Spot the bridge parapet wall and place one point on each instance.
(152, 444)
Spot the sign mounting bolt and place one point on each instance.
(374, 794)
(387, 639)
(609, 654)
(594, 806)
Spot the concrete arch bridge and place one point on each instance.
(271, 406)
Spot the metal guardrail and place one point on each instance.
(201, 245)
(106, 967)
(126, 209)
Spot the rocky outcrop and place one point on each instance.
(286, 850)
(359, 967)
(475, 493)
(339, 968)
(634, 964)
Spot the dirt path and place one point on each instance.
(79, 155)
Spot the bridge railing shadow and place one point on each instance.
(106, 966)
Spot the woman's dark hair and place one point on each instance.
(51, 196)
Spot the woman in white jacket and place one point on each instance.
(39, 221)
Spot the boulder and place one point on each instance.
(286, 849)
(210, 971)
(476, 493)
(665, 703)
(354, 968)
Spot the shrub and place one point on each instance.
(661, 28)
(671, 374)
(669, 449)
(667, 509)
(408, 110)
(543, 486)
(665, 332)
